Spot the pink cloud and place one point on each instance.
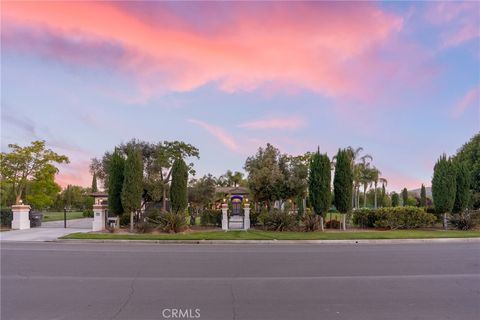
(471, 98)
(219, 133)
(316, 46)
(74, 173)
(275, 123)
(460, 20)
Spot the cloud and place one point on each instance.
(316, 46)
(75, 173)
(460, 21)
(275, 123)
(471, 98)
(218, 132)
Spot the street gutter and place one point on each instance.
(345, 242)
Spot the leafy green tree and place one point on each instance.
(24, 164)
(462, 196)
(132, 188)
(264, 174)
(423, 196)
(73, 197)
(158, 160)
(319, 184)
(444, 187)
(274, 176)
(405, 196)
(178, 190)
(395, 199)
(343, 183)
(94, 183)
(115, 183)
(201, 192)
(42, 190)
(7, 197)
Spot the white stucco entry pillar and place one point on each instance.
(246, 213)
(224, 217)
(99, 216)
(21, 219)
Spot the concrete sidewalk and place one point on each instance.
(49, 231)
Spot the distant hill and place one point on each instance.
(417, 192)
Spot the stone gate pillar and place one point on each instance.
(21, 219)
(99, 217)
(224, 216)
(246, 216)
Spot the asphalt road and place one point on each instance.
(143, 281)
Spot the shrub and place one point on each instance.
(366, 218)
(278, 220)
(311, 221)
(404, 218)
(88, 213)
(211, 218)
(173, 222)
(6, 217)
(393, 218)
(467, 220)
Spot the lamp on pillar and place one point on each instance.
(21, 219)
(225, 215)
(246, 215)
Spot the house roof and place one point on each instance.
(232, 190)
(99, 194)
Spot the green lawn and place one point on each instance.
(55, 216)
(270, 235)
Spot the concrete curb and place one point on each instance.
(344, 242)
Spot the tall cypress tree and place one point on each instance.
(444, 187)
(132, 184)
(423, 197)
(319, 180)
(384, 194)
(115, 183)
(178, 189)
(405, 196)
(343, 183)
(463, 188)
(395, 199)
(94, 183)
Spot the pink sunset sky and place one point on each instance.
(400, 79)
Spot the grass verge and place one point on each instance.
(270, 235)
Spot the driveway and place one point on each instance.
(49, 231)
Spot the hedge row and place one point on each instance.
(6, 217)
(211, 218)
(393, 218)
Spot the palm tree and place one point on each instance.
(365, 180)
(356, 169)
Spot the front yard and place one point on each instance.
(272, 235)
(56, 216)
